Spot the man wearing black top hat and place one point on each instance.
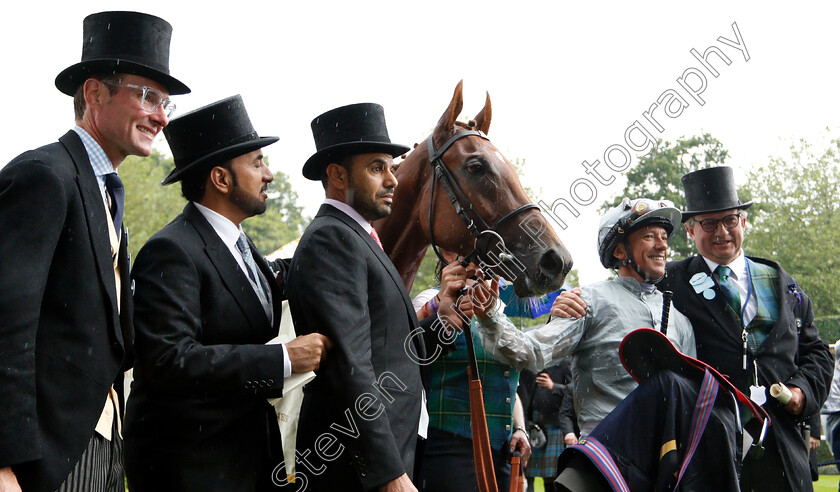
(753, 323)
(66, 329)
(361, 416)
(205, 305)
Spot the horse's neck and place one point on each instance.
(400, 232)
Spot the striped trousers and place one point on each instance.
(100, 469)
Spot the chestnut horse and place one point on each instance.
(476, 194)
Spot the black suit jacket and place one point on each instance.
(63, 342)
(197, 417)
(793, 352)
(359, 419)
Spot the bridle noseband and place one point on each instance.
(485, 236)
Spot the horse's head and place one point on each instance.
(515, 240)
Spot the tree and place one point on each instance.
(796, 219)
(657, 176)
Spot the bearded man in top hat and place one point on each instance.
(361, 416)
(753, 323)
(206, 303)
(66, 331)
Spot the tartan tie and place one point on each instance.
(253, 273)
(733, 298)
(114, 186)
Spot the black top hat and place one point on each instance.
(211, 135)
(349, 130)
(123, 42)
(710, 190)
(645, 351)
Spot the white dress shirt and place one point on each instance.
(229, 233)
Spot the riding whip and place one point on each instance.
(666, 309)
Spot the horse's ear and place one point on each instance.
(447, 121)
(482, 119)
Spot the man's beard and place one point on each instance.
(369, 209)
(248, 204)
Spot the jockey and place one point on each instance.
(633, 239)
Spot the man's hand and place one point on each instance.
(797, 401)
(815, 443)
(519, 442)
(570, 438)
(8, 480)
(569, 305)
(400, 484)
(451, 306)
(545, 381)
(306, 352)
(484, 296)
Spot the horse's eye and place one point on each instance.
(475, 167)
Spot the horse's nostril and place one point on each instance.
(552, 264)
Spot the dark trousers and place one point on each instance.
(448, 464)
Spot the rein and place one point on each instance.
(464, 208)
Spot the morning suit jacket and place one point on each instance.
(367, 396)
(197, 417)
(63, 342)
(793, 352)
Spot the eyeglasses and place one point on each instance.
(151, 99)
(729, 222)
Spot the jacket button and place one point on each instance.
(507, 400)
(507, 374)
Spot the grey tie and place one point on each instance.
(259, 286)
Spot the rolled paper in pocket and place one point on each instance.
(781, 393)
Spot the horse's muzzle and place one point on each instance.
(553, 266)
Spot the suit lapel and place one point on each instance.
(717, 307)
(787, 302)
(94, 209)
(276, 302)
(232, 276)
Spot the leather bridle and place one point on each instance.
(487, 237)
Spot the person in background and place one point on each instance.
(447, 462)
(544, 395)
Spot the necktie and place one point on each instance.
(114, 186)
(375, 237)
(733, 298)
(253, 273)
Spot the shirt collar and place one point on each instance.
(738, 265)
(98, 160)
(228, 232)
(347, 209)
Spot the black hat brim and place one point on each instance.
(691, 213)
(218, 157)
(314, 167)
(70, 78)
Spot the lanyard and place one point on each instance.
(749, 291)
